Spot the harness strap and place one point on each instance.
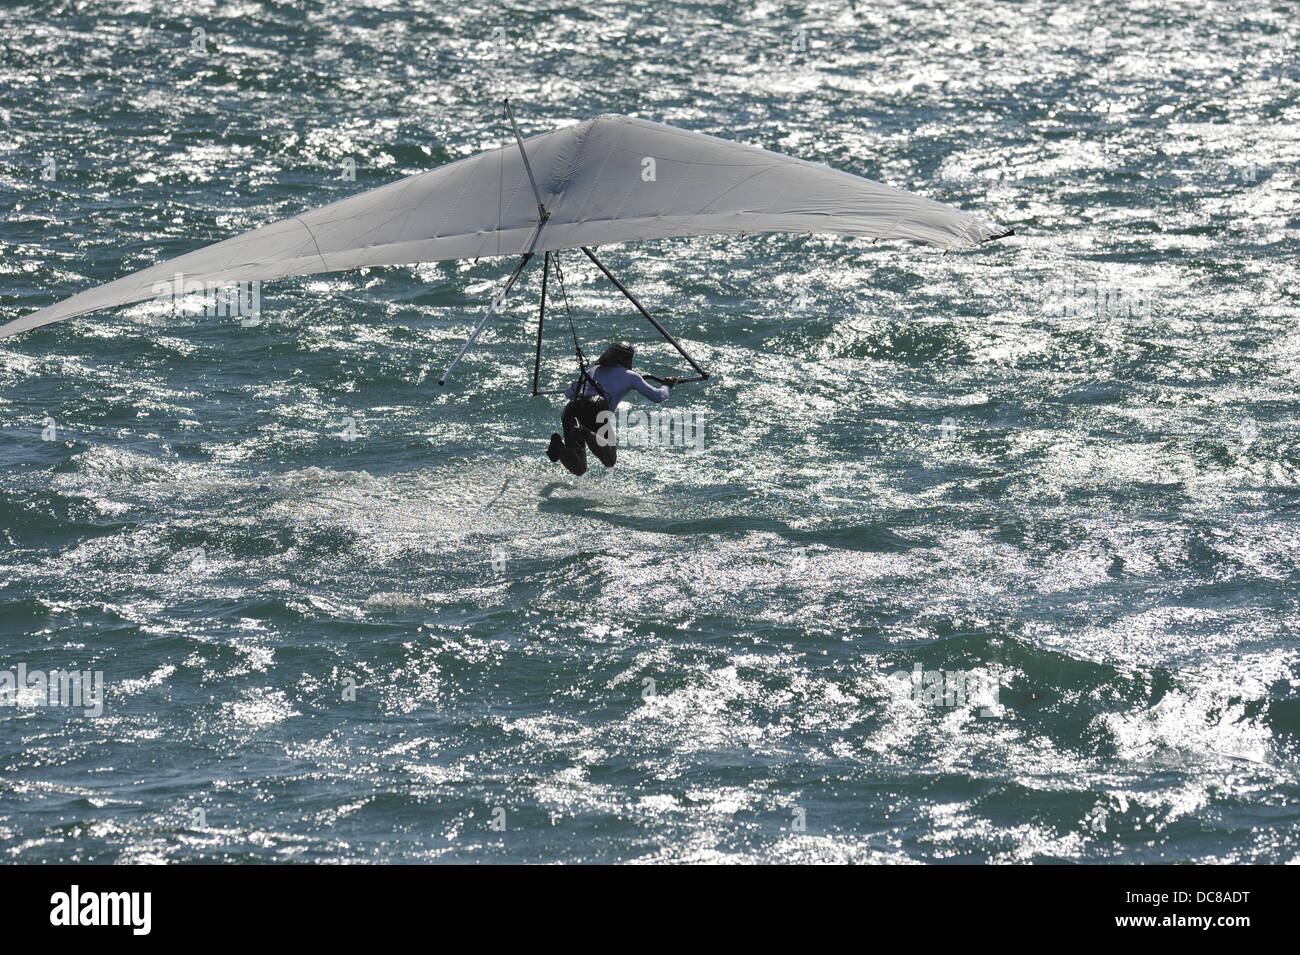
(584, 376)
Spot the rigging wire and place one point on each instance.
(583, 374)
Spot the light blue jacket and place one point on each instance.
(618, 381)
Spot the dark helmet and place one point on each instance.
(619, 353)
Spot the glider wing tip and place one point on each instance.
(10, 329)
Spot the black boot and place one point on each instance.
(556, 448)
(575, 459)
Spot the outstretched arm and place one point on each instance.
(657, 395)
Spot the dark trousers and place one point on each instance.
(583, 429)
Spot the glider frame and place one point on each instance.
(542, 216)
(541, 320)
(496, 304)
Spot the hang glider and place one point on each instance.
(608, 180)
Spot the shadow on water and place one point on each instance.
(866, 537)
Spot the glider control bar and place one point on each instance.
(496, 304)
(703, 375)
(486, 318)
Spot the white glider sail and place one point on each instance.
(611, 179)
